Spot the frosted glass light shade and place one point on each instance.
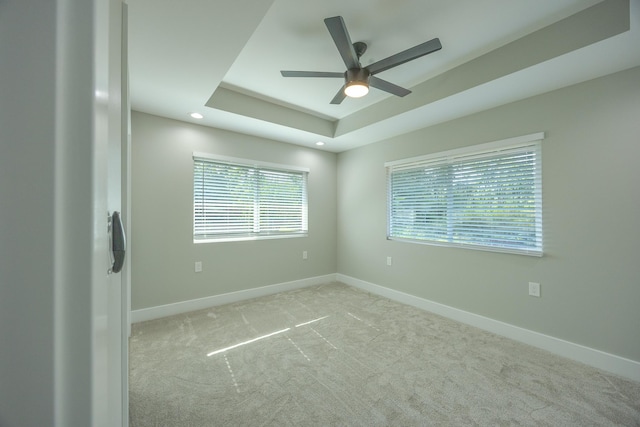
(356, 89)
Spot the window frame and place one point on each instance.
(257, 165)
(455, 156)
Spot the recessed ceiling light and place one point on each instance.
(196, 115)
(319, 143)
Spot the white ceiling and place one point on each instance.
(223, 59)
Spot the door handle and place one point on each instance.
(118, 243)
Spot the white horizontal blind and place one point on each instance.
(238, 201)
(488, 199)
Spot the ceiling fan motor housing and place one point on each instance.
(359, 75)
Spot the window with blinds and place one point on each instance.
(237, 199)
(485, 197)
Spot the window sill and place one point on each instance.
(248, 238)
(513, 251)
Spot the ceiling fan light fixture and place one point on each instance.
(356, 89)
(357, 82)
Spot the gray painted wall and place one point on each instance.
(163, 252)
(590, 273)
(27, 168)
(46, 223)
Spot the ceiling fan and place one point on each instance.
(358, 78)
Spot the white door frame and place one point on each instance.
(109, 319)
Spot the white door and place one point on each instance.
(109, 397)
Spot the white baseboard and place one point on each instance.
(596, 358)
(152, 313)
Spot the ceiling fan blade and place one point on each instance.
(405, 56)
(340, 96)
(311, 74)
(386, 86)
(338, 31)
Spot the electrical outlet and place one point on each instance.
(198, 266)
(534, 289)
(389, 260)
(304, 255)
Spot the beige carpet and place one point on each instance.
(333, 355)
